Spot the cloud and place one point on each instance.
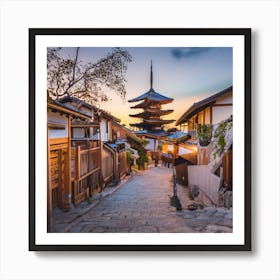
(180, 53)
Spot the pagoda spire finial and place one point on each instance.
(151, 74)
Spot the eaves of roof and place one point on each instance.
(104, 114)
(152, 96)
(57, 106)
(201, 105)
(128, 131)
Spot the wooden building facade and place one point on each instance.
(59, 190)
(103, 148)
(86, 152)
(205, 172)
(85, 166)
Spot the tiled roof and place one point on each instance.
(129, 132)
(71, 110)
(177, 135)
(152, 96)
(148, 113)
(105, 114)
(151, 133)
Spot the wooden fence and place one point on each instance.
(122, 164)
(227, 167)
(85, 171)
(107, 165)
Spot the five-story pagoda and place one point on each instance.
(152, 123)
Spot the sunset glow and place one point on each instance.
(185, 74)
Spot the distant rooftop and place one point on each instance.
(176, 135)
(151, 133)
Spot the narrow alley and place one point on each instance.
(142, 204)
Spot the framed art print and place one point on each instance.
(140, 139)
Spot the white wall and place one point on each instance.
(225, 99)
(218, 113)
(103, 130)
(209, 183)
(78, 132)
(221, 113)
(56, 118)
(150, 145)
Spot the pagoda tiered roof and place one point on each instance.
(151, 102)
(151, 112)
(152, 96)
(157, 122)
(148, 123)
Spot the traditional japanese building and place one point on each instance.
(211, 110)
(111, 151)
(152, 124)
(61, 191)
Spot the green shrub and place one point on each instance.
(204, 133)
(89, 200)
(219, 138)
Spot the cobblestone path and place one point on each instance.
(142, 204)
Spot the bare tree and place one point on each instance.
(72, 77)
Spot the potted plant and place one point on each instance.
(204, 133)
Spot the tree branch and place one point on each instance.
(75, 63)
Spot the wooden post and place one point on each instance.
(176, 148)
(227, 168)
(211, 114)
(60, 182)
(111, 130)
(49, 188)
(78, 161)
(68, 167)
(204, 117)
(100, 164)
(117, 175)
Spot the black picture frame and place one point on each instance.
(245, 32)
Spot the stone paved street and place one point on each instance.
(142, 204)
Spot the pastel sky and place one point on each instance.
(187, 74)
